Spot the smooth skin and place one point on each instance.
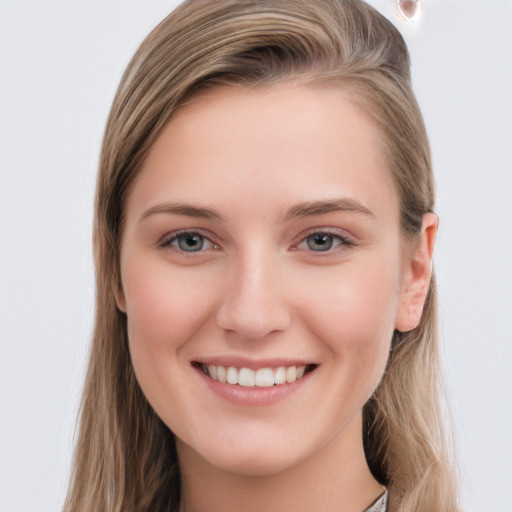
(264, 227)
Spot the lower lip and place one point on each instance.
(252, 396)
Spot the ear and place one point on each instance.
(416, 275)
(117, 290)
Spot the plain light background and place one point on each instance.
(60, 62)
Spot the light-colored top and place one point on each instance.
(380, 505)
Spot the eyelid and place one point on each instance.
(167, 240)
(345, 239)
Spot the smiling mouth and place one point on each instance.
(263, 377)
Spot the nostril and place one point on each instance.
(252, 322)
(254, 301)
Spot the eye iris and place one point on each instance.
(190, 242)
(320, 242)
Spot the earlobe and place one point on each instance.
(119, 297)
(417, 275)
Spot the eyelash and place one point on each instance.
(342, 242)
(168, 241)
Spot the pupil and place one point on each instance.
(320, 242)
(190, 242)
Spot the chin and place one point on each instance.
(257, 465)
(259, 459)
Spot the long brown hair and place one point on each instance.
(125, 457)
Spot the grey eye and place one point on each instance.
(190, 242)
(320, 242)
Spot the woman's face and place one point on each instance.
(262, 242)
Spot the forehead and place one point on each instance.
(280, 143)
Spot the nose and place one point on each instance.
(254, 304)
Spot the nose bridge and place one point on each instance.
(254, 304)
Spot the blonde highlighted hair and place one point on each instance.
(125, 459)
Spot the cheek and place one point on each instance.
(353, 311)
(164, 307)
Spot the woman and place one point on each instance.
(265, 329)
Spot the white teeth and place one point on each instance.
(246, 378)
(212, 370)
(231, 375)
(263, 377)
(221, 374)
(291, 374)
(280, 375)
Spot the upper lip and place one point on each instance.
(243, 362)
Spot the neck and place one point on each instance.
(334, 479)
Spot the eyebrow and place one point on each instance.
(183, 209)
(306, 209)
(311, 208)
